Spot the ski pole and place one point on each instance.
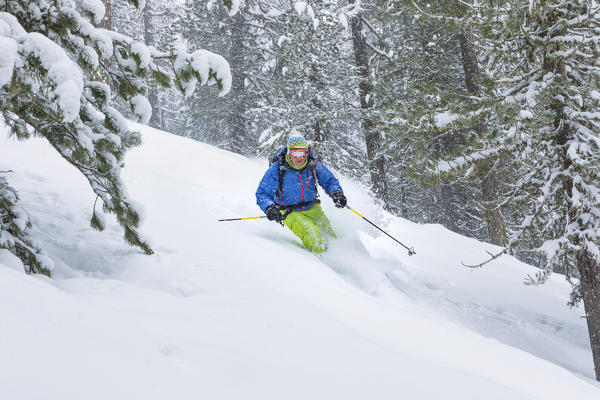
(411, 250)
(241, 219)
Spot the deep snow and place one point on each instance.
(239, 310)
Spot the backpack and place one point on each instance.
(279, 158)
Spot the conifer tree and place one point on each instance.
(311, 69)
(14, 232)
(553, 98)
(154, 25)
(223, 121)
(544, 62)
(51, 71)
(373, 137)
(419, 75)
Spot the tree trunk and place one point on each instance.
(589, 270)
(156, 120)
(449, 213)
(106, 22)
(237, 127)
(496, 226)
(373, 138)
(320, 133)
(319, 126)
(470, 66)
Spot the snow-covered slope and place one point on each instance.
(239, 310)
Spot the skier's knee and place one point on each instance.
(314, 241)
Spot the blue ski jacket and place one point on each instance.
(298, 185)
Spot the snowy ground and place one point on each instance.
(239, 310)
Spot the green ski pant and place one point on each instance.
(309, 226)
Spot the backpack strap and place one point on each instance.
(313, 168)
(281, 168)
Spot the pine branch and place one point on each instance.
(378, 51)
(370, 26)
(492, 258)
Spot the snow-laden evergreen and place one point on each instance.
(543, 114)
(57, 77)
(15, 239)
(241, 310)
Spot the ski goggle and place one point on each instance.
(298, 153)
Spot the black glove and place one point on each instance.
(338, 199)
(273, 214)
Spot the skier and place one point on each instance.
(288, 193)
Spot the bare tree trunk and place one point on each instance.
(319, 126)
(496, 226)
(106, 22)
(449, 214)
(156, 121)
(237, 127)
(319, 130)
(589, 270)
(372, 136)
(470, 66)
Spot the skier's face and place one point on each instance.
(298, 156)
